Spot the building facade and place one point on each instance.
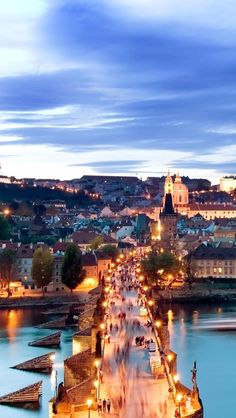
(214, 262)
(228, 184)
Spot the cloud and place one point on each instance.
(150, 81)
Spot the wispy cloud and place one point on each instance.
(113, 80)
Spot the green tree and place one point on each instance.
(161, 266)
(42, 267)
(96, 242)
(5, 230)
(150, 267)
(72, 272)
(7, 266)
(189, 269)
(111, 251)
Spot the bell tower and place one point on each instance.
(168, 221)
(169, 185)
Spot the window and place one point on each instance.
(214, 270)
(220, 270)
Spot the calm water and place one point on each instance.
(17, 328)
(214, 352)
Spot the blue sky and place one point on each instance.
(117, 87)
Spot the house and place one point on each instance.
(215, 262)
(103, 263)
(212, 210)
(24, 261)
(56, 285)
(122, 229)
(83, 239)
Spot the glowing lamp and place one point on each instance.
(89, 403)
(179, 397)
(170, 357)
(176, 378)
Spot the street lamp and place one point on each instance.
(89, 403)
(102, 327)
(170, 358)
(96, 384)
(98, 365)
(179, 399)
(176, 378)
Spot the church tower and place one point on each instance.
(169, 185)
(168, 223)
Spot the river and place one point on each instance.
(194, 337)
(17, 328)
(214, 352)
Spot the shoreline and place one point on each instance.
(186, 295)
(40, 301)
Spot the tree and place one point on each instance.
(163, 265)
(190, 269)
(72, 272)
(150, 267)
(96, 242)
(7, 266)
(42, 268)
(5, 230)
(111, 251)
(40, 209)
(25, 209)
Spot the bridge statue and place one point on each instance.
(194, 376)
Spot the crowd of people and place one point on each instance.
(128, 334)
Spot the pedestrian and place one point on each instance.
(99, 406)
(108, 405)
(104, 405)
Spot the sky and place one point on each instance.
(123, 87)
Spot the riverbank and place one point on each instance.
(42, 301)
(198, 292)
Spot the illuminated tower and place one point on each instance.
(168, 221)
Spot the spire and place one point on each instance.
(178, 178)
(168, 207)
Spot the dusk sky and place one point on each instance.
(118, 87)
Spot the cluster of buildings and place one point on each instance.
(131, 215)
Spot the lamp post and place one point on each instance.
(179, 399)
(96, 384)
(98, 365)
(89, 403)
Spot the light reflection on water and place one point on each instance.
(17, 329)
(214, 352)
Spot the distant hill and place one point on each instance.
(11, 192)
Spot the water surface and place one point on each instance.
(17, 328)
(214, 352)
